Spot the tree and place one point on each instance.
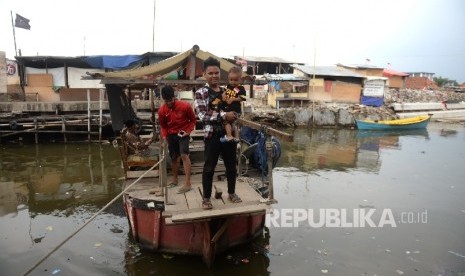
(441, 82)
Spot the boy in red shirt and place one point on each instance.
(177, 120)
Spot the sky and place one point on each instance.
(403, 35)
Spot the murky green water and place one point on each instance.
(48, 191)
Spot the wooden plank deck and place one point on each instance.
(188, 207)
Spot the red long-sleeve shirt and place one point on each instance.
(173, 120)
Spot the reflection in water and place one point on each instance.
(341, 149)
(48, 191)
(251, 259)
(46, 176)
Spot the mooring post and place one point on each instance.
(269, 152)
(88, 115)
(100, 115)
(162, 171)
(36, 130)
(63, 128)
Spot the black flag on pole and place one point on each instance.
(22, 22)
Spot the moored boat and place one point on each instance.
(416, 122)
(164, 221)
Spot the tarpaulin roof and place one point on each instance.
(51, 61)
(112, 62)
(165, 66)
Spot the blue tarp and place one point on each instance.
(112, 62)
(260, 158)
(372, 101)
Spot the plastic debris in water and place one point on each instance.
(456, 254)
(49, 228)
(56, 271)
(400, 272)
(97, 244)
(168, 257)
(324, 271)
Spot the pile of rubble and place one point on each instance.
(422, 96)
(344, 115)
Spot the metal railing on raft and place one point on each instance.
(268, 132)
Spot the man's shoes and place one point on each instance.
(206, 204)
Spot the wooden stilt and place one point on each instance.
(63, 128)
(36, 130)
(88, 115)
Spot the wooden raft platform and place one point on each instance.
(187, 207)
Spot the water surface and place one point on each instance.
(48, 191)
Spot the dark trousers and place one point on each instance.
(213, 149)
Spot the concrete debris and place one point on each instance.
(344, 115)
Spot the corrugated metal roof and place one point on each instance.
(284, 77)
(328, 71)
(264, 59)
(360, 66)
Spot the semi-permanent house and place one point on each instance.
(331, 83)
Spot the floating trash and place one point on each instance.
(324, 271)
(97, 244)
(456, 254)
(39, 238)
(56, 271)
(168, 257)
(116, 230)
(49, 228)
(400, 272)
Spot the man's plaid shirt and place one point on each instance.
(208, 116)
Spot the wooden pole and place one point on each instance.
(268, 130)
(313, 84)
(269, 151)
(153, 26)
(36, 130)
(14, 33)
(91, 172)
(63, 128)
(100, 115)
(88, 115)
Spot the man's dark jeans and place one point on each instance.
(213, 149)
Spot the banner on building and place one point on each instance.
(374, 88)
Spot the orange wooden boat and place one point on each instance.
(164, 221)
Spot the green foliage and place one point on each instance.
(442, 82)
